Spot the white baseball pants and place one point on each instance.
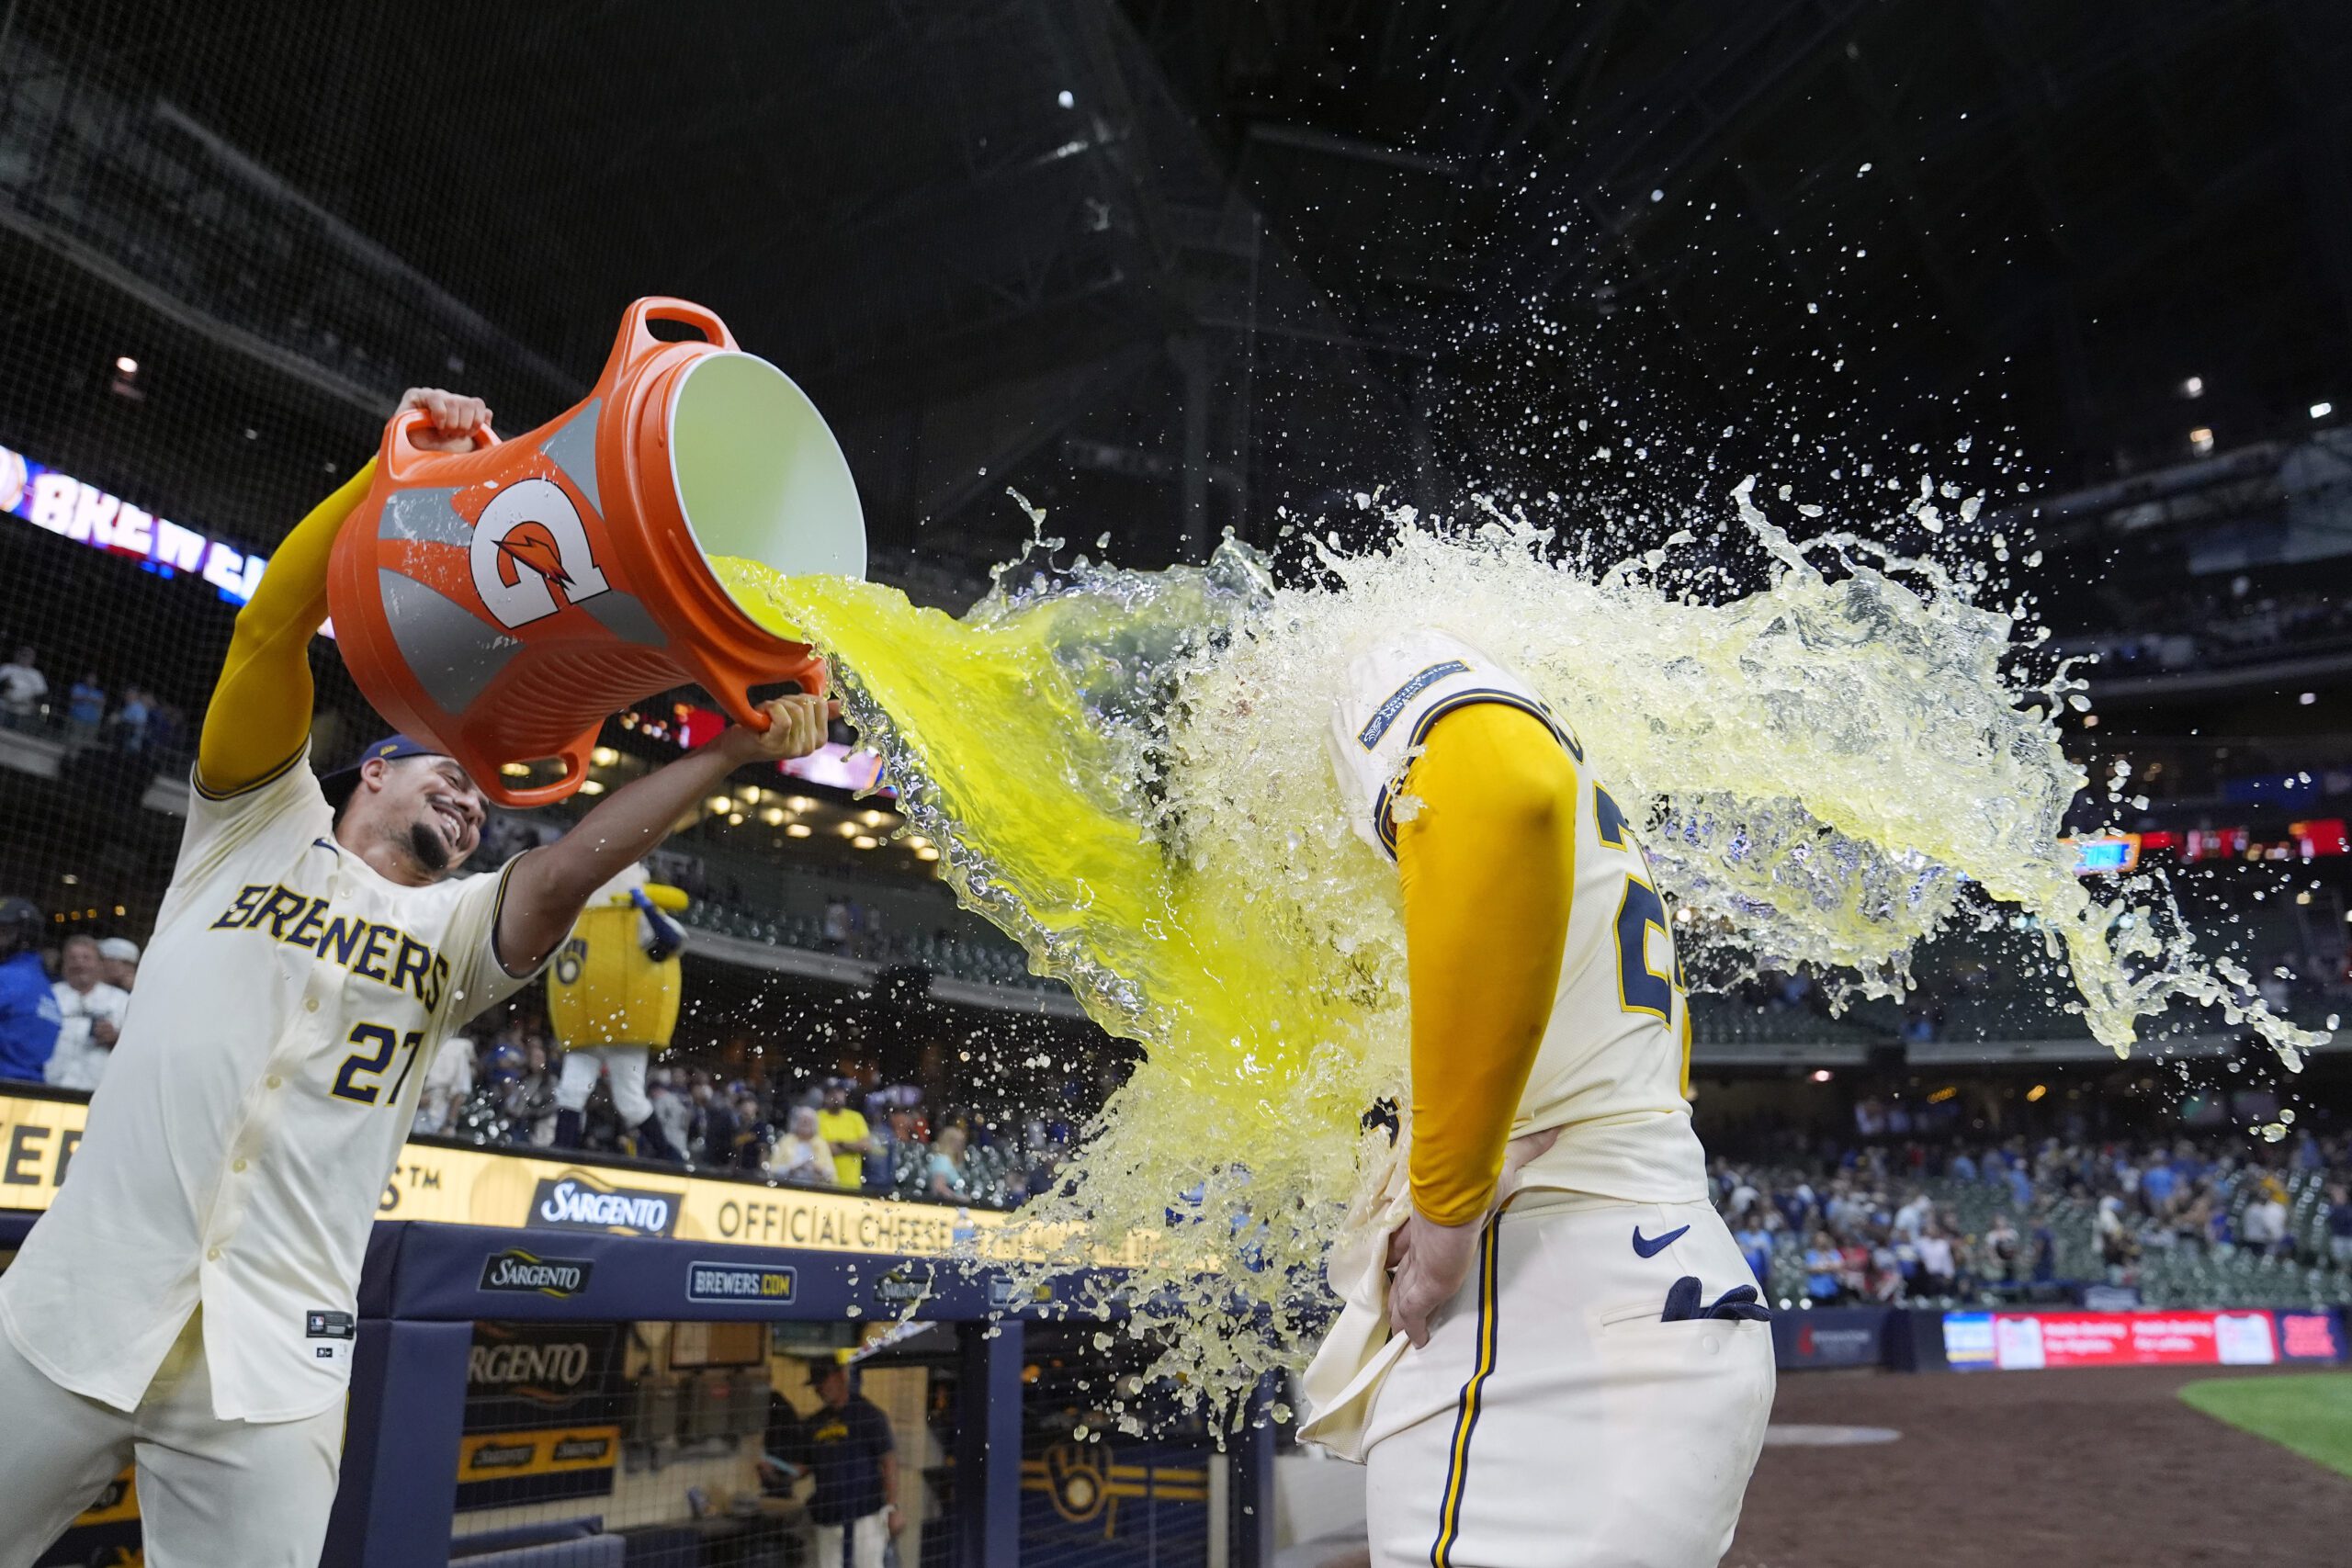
(212, 1494)
(1554, 1420)
(626, 1066)
(857, 1544)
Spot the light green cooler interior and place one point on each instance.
(759, 473)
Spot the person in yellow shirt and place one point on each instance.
(1551, 1351)
(845, 1130)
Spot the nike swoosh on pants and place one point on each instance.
(1651, 1248)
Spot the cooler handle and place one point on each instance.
(400, 453)
(663, 308)
(731, 683)
(575, 773)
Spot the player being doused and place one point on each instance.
(1551, 1351)
(190, 1297)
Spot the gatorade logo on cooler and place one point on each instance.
(529, 545)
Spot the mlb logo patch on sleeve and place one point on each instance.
(1385, 714)
(329, 1325)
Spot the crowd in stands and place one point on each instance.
(133, 722)
(2193, 627)
(846, 1131)
(2181, 1218)
(498, 1086)
(62, 1031)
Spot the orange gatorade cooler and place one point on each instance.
(503, 603)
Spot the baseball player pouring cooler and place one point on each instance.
(1552, 1352)
(188, 1301)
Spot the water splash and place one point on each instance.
(1125, 771)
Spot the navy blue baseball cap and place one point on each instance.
(338, 784)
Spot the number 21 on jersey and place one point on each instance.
(1641, 988)
(375, 1046)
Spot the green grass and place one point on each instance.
(2311, 1412)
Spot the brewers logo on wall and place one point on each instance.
(1085, 1485)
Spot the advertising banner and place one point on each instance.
(525, 1192)
(2033, 1341)
(1830, 1337)
(478, 1186)
(543, 1412)
(62, 505)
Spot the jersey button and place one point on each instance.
(273, 1080)
(311, 1005)
(237, 1164)
(212, 1254)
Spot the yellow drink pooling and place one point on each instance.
(1127, 773)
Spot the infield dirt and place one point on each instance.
(2090, 1469)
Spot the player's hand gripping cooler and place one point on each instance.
(500, 603)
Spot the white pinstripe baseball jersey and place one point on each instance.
(264, 1081)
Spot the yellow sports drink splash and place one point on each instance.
(1127, 772)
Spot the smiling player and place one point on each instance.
(189, 1299)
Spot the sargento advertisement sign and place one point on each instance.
(82, 513)
(527, 1273)
(2033, 1341)
(549, 1367)
(472, 1187)
(577, 1201)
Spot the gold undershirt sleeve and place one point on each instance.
(1488, 863)
(260, 714)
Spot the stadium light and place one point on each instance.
(592, 787)
(797, 830)
(2202, 438)
(2308, 698)
(1067, 98)
(865, 841)
(604, 756)
(773, 817)
(2036, 1092)
(2321, 409)
(127, 365)
(1821, 1075)
(2193, 387)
